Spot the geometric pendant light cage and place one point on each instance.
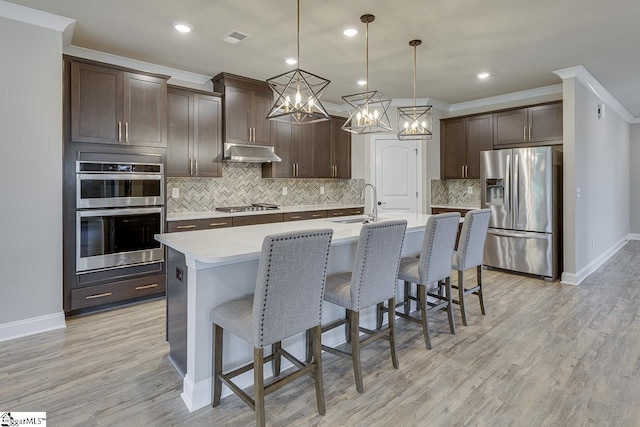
(415, 122)
(367, 110)
(297, 94)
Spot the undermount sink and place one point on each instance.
(352, 220)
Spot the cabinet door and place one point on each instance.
(341, 148)
(262, 103)
(283, 146)
(96, 104)
(452, 148)
(479, 137)
(323, 147)
(179, 132)
(545, 123)
(145, 110)
(304, 150)
(510, 127)
(207, 136)
(237, 103)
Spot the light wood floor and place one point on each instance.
(545, 354)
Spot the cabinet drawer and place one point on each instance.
(345, 212)
(298, 216)
(256, 219)
(198, 224)
(117, 291)
(436, 211)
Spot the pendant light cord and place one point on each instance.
(366, 33)
(298, 42)
(414, 74)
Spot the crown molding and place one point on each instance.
(636, 120)
(39, 18)
(581, 73)
(136, 65)
(509, 97)
(408, 102)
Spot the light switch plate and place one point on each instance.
(469, 190)
(321, 190)
(284, 191)
(175, 193)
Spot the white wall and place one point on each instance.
(31, 172)
(599, 151)
(634, 166)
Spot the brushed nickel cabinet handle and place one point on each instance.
(355, 212)
(524, 133)
(215, 224)
(462, 171)
(184, 227)
(190, 166)
(317, 216)
(529, 133)
(337, 214)
(466, 171)
(295, 217)
(119, 131)
(126, 131)
(293, 169)
(154, 285)
(196, 167)
(105, 294)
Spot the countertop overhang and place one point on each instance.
(182, 216)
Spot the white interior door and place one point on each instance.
(397, 175)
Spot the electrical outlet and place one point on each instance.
(593, 244)
(321, 190)
(175, 193)
(577, 192)
(284, 191)
(469, 190)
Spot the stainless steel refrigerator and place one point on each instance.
(523, 189)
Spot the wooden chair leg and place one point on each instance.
(309, 345)
(480, 293)
(347, 327)
(461, 297)
(354, 317)
(422, 292)
(216, 383)
(276, 363)
(407, 301)
(392, 333)
(258, 385)
(316, 334)
(380, 315)
(452, 324)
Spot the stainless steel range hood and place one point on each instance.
(249, 153)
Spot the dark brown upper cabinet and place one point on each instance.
(318, 150)
(462, 139)
(333, 149)
(536, 124)
(116, 106)
(246, 103)
(194, 126)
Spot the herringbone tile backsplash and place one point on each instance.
(242, 184)
(453, 192)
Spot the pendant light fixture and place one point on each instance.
(367, 110)
(297, 94)
(414, 122)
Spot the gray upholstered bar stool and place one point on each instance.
(287, 301)
(430, 269)
(469, 255)
(371, 281)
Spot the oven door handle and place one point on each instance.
(119, 176)
(117, 212)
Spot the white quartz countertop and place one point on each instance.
(455, 207)
(184, 216)
(215, 247)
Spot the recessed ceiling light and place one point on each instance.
(291, 61)
(483, 75)
(362, 82)
(350, 32)
(182, 27)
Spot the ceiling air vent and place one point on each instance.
(234, 37)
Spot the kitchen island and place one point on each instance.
(210, 267)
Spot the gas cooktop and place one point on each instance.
(252, 208)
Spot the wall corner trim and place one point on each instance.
(580, 72)
(32, 326)
(508, 97)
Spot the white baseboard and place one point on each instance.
(576, 279)
(633, 236)
(34, 325)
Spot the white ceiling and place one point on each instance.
(521, 42)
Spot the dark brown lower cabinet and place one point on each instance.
(198, 224)
(300, 216)
(256, 219)
(345, 212)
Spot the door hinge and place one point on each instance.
(416, 194)
(416, 150)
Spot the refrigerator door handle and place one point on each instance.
(507, 190)
(516, 184)
(519, 234)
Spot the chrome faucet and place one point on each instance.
(374, 211)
